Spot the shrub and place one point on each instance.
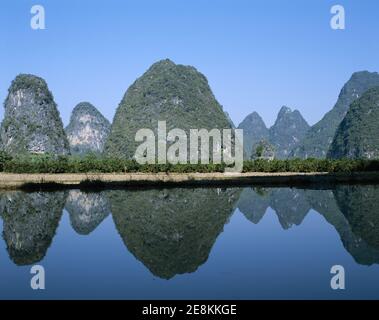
(98, 164)
(4, 158)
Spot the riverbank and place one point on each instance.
(22, 181)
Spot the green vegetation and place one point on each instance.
(320, 136)
(311, 165)
(4, 158)
(264, 150)
(259, 151)
(177, 94)
(32, 83)
(97, 164)
(357, 135)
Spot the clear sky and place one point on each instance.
(257, 54)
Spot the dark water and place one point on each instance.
(252, 243)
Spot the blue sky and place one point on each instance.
(257, 55)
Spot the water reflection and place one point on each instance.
(324, 202)
(350, 209)
(172, 231)
(290, 205)
(87, 210)
(359, 206)
(29, 223)
(254, 202)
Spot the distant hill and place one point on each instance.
(319, 138)
(254, 131)
(32, 123)
(287, 132)
(177, 94)
(357, 136)
(289, 128)
(88, 129)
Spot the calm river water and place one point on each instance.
(237, 243)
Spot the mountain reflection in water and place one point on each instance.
(173, 231)
(350, 209)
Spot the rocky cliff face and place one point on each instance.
(177, 94)
(88, 129)
(254, 131)
(32, 123)
(287, 132)
(319, 138)
(357, 135)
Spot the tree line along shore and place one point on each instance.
(32, 164)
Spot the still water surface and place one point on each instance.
(237, 243)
